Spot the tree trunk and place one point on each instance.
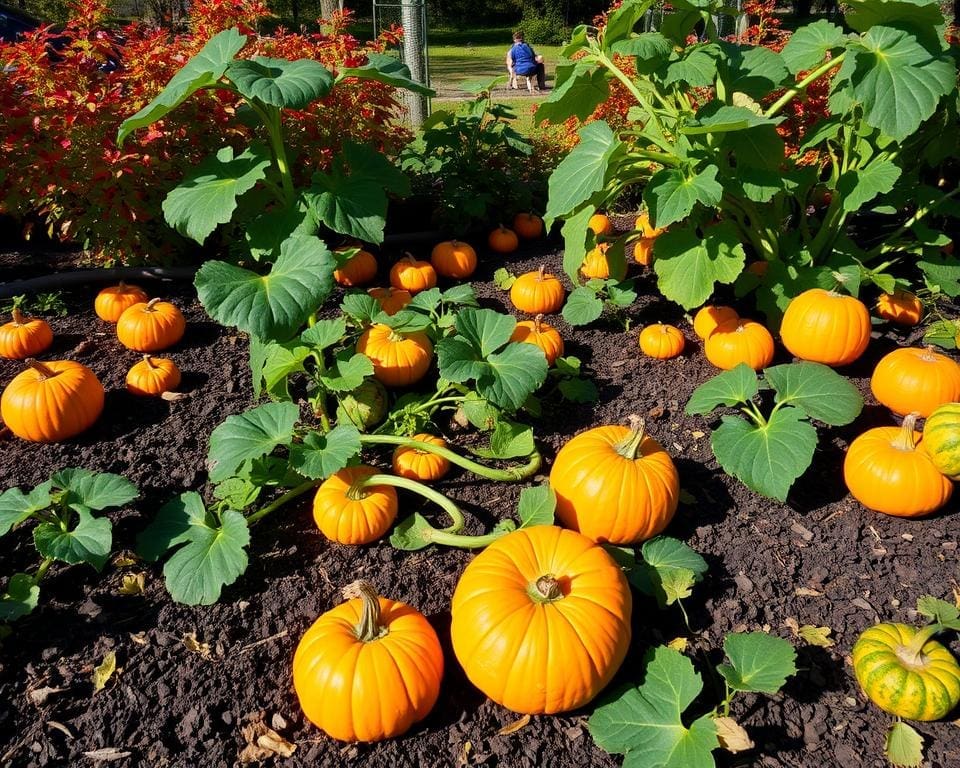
(327, 8)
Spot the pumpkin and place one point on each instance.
(349, 512)
(503, 240)
(826, 327)
(615, 484)
(113, 301)
(941, 439)
(597, 266)
(368, 669)
(900, 307)
(905, 672)
(454, 259)
(538, 293)
(51, 401)
(911, 379)
(365, 406)
(709, 317)
(541, 335)
(540, 620)
(358, 269)
(887, 470)
(739, 341)
(600, 224)
(645, 228)
(661, 341)
(153, 376)
(410, 274)
(416, 464)
(399, 359)
(529, 226)
(643, 251)
(391, 300)
(22, 338)
(150, 327)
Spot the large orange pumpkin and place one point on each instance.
(391, 300)
(359, 269)
(453, 258)
(410, 274)
(51, 401)
(349, 512)
(368, 669)
(112, 301)
(541, 620)
(151, 327)
(540, 334)
(22, 338)
(739, 341)
(910, 379)
(709, 317)
(399, 359)
(826, 327)
(153, 376)
(529, 226)
(901, 307)
(538, 293)
(615, 484)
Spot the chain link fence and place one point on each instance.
(412, 51)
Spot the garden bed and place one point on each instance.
(819, 560)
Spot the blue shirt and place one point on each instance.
(524, 62)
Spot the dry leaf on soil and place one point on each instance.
(515, 726)
(104, 671)
(132, 584)
(263, 743)
(678, 644)
(732, 735)
(107, 754)
(191, 643)
(39, 696)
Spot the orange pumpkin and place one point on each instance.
(826, 327)
(151, 327)
(900, 307)
(503, 240)
(529, 226)
(52, 401)
(368, 669)
(600, 224)
(410, 274)
(391, 300)
(615, 484)
(709, 317)
(661, 341)
(538, 293)
(645, 228)
(349, 512)
(153, 376)
(888, 470)
(540, 620)
(453, 258)
(739, 341)
(911, 379)
(597, 266)
(416, 464)
(113, 301)
(399, 359)
(541, 335)
(643, 251)
(359, 269)
(22, 338)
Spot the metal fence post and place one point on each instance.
(412, 16)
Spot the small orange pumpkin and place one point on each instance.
(826, 327)
(645, 228)
(529, 226)
(910, 379)
(709, 317)
(51, 401)
(111, 302)
(399, 359)
(368, 669)
(410, 274)
(661, 341)
(153, 376)
(900, 307)
(503, 240)
(643, 251)
(888, 470)
(22, 338)
(597, 266)
(538, 293)
(359, 269)
(348, 511)
(453, 258)
(541, 335)
(421, 465)
(600, 224)
(150, 327)
(739, 341)
(391, 300)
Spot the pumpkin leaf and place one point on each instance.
(583, 91)
(509, 440)
(645, 723)
(89, 542)
(171, 525)
(668, 570)
(671, 194)
(347, 372)
(941, 273)
(486, 330)
(324, 333)
(808, 46)
(943, 333)
(689, 265)
(583, 171)
(817, 390)
(759, 663)
(412, 533)
(537, 506)
(578, 390)
(766, 458)
(273, 366)
(250, 435)
(360, 307)
(859, 187)
(16, 506)
(279, 82)
(904, 746)
(480, 413)
(388, 70)
(939, 612)
(319, 456)
(20, 598)
(583, 306)
(738, 385)
(94, 490)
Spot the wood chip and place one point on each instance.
(263, 743)
(107, 754)
(515, 726)
(172, 397)
(804, 533)
(61, 727)
(140, 638)
(807, 592)
(38, 696)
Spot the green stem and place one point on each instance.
(641, 100)
(913, 652)
(793, 92)
(463, 541)
(753, 412)
(42, 570)
(889, 245)
(275, 505)
(421, 490)
(500, 475)
(275, 130)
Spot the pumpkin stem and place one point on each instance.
(546, 589)
(912, 653)
(368, 628)
(18, 318)
(45, 371)
(395, 337)
(148, 361)
(905, 441)
(542, 273)
(151, 304)
(536, 323)
(357, 491)
(629, 447)
(929, 354)
(407, 256)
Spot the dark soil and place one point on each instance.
(821, 559)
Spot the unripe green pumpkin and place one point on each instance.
(941, 438)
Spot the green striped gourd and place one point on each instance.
(941, 438)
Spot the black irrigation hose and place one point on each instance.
(61, 280)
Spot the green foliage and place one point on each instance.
(904, 746)
(668, 570)
(759, 663)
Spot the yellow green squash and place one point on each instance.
(941, 438)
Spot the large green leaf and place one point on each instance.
(586, 88)
(754, 71)
(808, 46)
(696, 66)
(582, 307)
(859, 187)
(202, 71)
(20, 597)
(583, 172)
(17, 506)
(817, 390)
(485, 329)
(388, 70)
(266, 232)
(738, 385)
(94, 490)
(904, 746)
(171, 526)
(574, 232)
(319, 456)
(671, 193)
(668, 571)
(279, 82)
(621, 21)
(275, 364)
(922, 17)
(347, 371)
(647, 46)
(89, 542)
(514, 373)
(537, 506)
(688, 266)
(759, 663)
(207, 197)
(271, 306)
(942, 273)
(250, 435)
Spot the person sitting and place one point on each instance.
(522, 61)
